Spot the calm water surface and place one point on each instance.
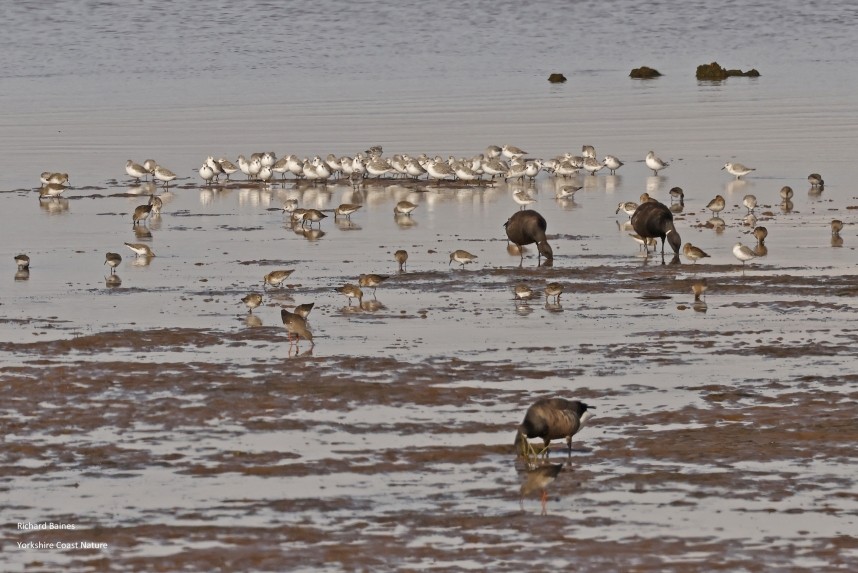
(163, 420)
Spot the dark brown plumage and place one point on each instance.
(296, 325)
(550, 419)
(654, 220)
(528, 227)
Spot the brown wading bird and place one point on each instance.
(539, 479)
(550, 419)
(528, 227)
(296, 325)
(654, 220)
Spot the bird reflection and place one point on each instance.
(112, 281)
(735, 186)
(371, 305)
(677, 207)
(312, 234)
(54, 205)
(553, 307)
(700, 306)
(347, 225)
(142, 261)
(787, 207)
(252, 321)
(538, 478)
(760, 250)
(836, 241)
(24, 274)
(142, 233)
(716, 223)
(404, 221)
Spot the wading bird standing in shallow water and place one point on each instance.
(296, 326)
(462, 257)
(401, 257)
(654, 220)
(528, 227)
(550, 419)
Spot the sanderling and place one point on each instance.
(654, 163)
(743, 253)
(737, 169)
(612, 163)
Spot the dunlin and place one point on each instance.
(401, 257)
(523, 292)
(345, 210)
(553, 290)
(627, 207)
(588, 151)
(252, 301)
(461, 257)
(612, 163)
(550, 419)
(749, 201)
(314, 216)
(296, 325)
(743, 253)
(717, 204)
(404, 208)
(786, 193)
(163, 174)
(539, 479)
(698, 288)
(815, 180)
(677, 194)
(653, 219)
(23, 262)
(693, 253)
(760, 233)
(112, 260)
(836, 227)
(276, 278)
(371, 281)
(303, 310)
(351, 291)
(654, 163)
(528, 227)
(737, 169)
(141, 213)
(645, 198)
(140, 249)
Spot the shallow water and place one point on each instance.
(161, 418)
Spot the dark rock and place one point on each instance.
(556, 78)
(714, 72)
(644, 73)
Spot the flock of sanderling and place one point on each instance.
(508, 162)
